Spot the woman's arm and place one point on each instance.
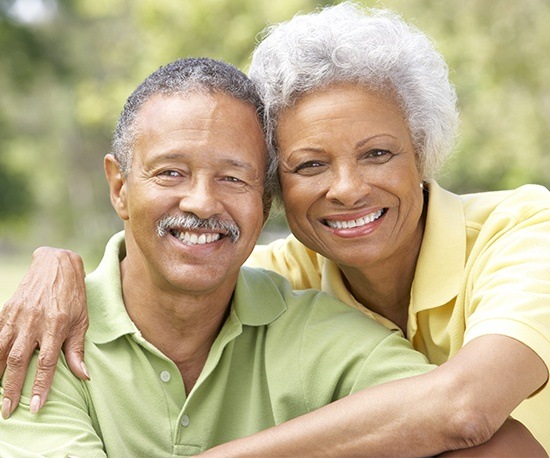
(512, 440)
(460, 404)
(48, 310)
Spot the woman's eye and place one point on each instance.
(379, 155)
(309, 168)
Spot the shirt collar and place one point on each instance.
(443, 252)
(108, 317)
(257, 299)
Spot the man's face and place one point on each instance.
(199, 156)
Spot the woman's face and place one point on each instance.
(351, 185)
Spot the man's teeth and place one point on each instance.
(193, 239)
(355, 222)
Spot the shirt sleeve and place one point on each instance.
(62, 427)
(344, 351)
(509, 291)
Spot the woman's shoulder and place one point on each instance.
(519, 203)
(290, 258)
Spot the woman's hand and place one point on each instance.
(48, 311)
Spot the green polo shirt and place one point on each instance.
(280, 354)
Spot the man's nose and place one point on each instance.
(202, 198)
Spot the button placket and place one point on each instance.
(165, 376)
(184, 421)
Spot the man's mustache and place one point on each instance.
(190, 221)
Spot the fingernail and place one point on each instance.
(35, 404)
(6, 408)
(85, 370)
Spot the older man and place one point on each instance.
(186, 348)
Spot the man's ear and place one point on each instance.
(117, 186)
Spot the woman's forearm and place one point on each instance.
(512, 440)
(343, 429)
(374, 422)
(459, 405)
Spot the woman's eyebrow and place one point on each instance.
(368, 139)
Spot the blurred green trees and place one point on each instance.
(66, 67)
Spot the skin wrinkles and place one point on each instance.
(205, 130)
(178, 167)
(346, 153)
(245, 169)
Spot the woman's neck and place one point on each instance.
(385, 287)
(385, 293)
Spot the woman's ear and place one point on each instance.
(117, 186)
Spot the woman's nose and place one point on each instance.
(348, 186)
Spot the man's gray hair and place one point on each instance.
(371, 47)
(182, 76)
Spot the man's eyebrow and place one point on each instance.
(238, 164)
(227, 161)
(173, 156)
(224, 160)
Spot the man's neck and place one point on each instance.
(182, 326)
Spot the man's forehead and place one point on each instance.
(197, 105)
(201, 123)
(160, 103)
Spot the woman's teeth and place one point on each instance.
(355, 222)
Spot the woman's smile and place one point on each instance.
(343, 223)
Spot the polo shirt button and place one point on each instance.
(165, 376)
(184, 420)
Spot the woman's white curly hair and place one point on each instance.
(371, 47)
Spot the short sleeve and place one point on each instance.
(510, 281)
(62, 427)
(344, 351)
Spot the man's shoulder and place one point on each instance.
(311, 313)
(329, 349)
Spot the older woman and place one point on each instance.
(361, 114)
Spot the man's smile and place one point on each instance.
(193, 238)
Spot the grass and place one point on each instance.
(12, 270)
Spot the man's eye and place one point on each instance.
(169, 173)
(232, 179)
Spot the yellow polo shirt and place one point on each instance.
(484, 268)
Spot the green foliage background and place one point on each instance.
(64, 78)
